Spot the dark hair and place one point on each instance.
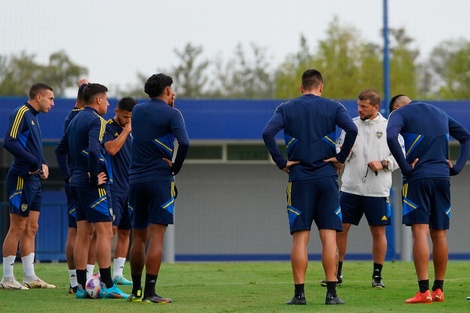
(91, 90)
(80, 92)
(126, 104)
(371, 95)
(156, 84)
(38, 88)
(311, 79)
(392, 102)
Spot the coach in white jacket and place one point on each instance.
(366, 182)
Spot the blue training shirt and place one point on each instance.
(83, 139)
(309, 124)
(121, 161)
(155, 125)
(425, 130)
(24, 141)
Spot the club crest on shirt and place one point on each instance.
(379, 134)
(116, 134)
(24, 207)
(32, 122)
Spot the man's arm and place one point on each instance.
(94, 153)
(394, 127)
(12, 145)
(344, 121)
(61, 155)
(178, 128)
(274, 125)
(461, 134)
(113, 146)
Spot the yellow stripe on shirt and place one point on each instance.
(18, 118)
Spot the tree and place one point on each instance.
(244, 77)
(348, 64)
(190, 75)
(403, 65)
(61, 73)
(19, 72)
(289, 72)
(447, 72)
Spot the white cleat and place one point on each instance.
(37, 282)
(12, 283)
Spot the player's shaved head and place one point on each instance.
(398, 101)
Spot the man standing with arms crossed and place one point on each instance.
(155, 126)
(366, 182)
(309, 124)
(89, 189)
(117, 142)
(23, 140)
(426, 173)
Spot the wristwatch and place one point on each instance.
(384, 164)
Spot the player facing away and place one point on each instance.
(89, 188)
(71, 208)
(117, 142)
(309, 123)
(23, 140)
(426, 173)
(155, 126)
(366, 181)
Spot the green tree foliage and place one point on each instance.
(289, 72)
(448, 71)
(348, 64)
(244, 77)
(403, 66)
(190, 75)
(19, 72)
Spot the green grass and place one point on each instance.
(249, 287)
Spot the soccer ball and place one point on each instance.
(93, 286)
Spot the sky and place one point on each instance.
(116, 39)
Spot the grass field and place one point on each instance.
(249, 287)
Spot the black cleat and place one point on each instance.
(298, 300)
(377, 282)
(330, 300)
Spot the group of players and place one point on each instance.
(414, 139)
(118, 175)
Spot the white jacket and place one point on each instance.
(370, 145)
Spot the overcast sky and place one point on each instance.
(115, 39)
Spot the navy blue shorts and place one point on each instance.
(314, 200)
(427, 201)
(92, 203)
(376, 209)
(119, 203)
(23, 195)
(152, 203)
(71, 208)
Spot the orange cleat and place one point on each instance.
(420, 297)
(437, 295)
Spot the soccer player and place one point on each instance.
(155, 125)
(366, 183)
(426, 183)
(117, 142)
(71, 208)
(23, 140)
(309, 124)
(88, 184)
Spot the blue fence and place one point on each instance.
(207, 119)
